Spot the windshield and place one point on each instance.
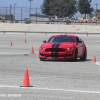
(61, 39)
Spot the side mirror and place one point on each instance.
(44, 41)
(80, 41)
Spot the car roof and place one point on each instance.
(65, 35)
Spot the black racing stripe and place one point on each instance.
(53, 53)
(57, 46)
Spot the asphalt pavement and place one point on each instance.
(50, 80)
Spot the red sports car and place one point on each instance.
(63, 47)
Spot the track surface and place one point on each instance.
(51, 80)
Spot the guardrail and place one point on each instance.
(25, 32)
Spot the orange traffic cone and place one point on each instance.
(25, 40)
(32, 50)
(26, 82)
(94, 59)
(11, 43)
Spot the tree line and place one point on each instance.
(66, 8)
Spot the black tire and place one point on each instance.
(42, 59)
(75, 57)
(85, 55)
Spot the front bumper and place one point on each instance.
(56, 55)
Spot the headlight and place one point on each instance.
(70, 48)
(41, 48)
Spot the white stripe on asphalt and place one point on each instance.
(93, 52)
(52, 89)
(98, 63)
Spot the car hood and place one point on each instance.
(58, 45)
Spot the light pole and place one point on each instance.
(10, 11)
(96, 8)
(14, 10)
(30, 8)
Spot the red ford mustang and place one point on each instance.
(63, 47)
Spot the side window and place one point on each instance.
(77, 39)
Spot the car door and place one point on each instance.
(79, 46)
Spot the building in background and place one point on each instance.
(6, 17)
(41, 18)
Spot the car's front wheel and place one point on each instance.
(75, 57)
(84, 55)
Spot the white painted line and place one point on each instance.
(10, 79)
(7, 86)
(13, 53)
(52, 89)
(93, 41)
(98, 63)
(93, 52)
(65, 90)
(16, 53)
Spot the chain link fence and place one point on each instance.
(22, 14)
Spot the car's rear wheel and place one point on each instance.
(75, 57)
(84, 55)
(42, 59)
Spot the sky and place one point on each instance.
(21, 3)
(34, 4)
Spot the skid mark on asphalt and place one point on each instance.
(52, 89)
(16, 53)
